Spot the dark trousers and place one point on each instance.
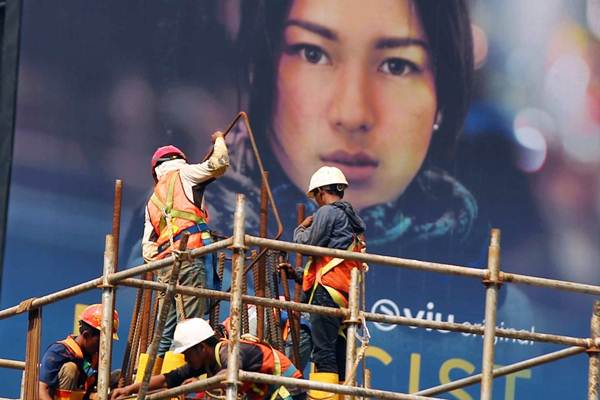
(329, 351)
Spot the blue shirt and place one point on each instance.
(54, 358)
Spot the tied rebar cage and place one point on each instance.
(492, 278)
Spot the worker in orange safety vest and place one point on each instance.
(176, 206)
(68, 367)
(206, 354)
(326, 280)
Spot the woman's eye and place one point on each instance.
(398, 67)
(311, 54)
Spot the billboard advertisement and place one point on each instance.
(448, 119)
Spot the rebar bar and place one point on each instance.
(502, 371)
(492, 285)
(352, 322)
(594, 354)
(238, 247)
(164, 311)
(294, 330)
(106, 323)
(116, 221)
(130, 336)
(260, 282)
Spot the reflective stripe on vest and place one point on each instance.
(169, 200)
(274, 390)
(72, 347)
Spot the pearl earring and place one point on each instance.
(436, 127)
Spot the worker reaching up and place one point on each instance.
(326, 280)
(69, 367)
(175, 207)
(206, 354)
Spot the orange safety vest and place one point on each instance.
(332, 273)
(169, 200)
(74, 349)
(274, 363)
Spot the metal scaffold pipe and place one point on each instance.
(12, 364)
(327, 387)
(492, 284)
(373, 317)
(233, 362)
(502, 371)
(353, 321)
(594, 354)
(106, 324)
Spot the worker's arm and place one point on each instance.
(44, 391)
(214, 167)
(149, 247)
(156, 382)
(318, 231)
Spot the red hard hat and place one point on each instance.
(92, 316)
(162, 152)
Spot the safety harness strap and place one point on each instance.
(335, 294)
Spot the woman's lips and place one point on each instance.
(356, 166)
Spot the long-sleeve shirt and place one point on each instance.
(191, 175)
(334, 225)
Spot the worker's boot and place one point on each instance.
(324, 377)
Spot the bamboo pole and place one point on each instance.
(32, 354)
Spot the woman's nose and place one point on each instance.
(351, 109)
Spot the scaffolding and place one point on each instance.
(239, 243)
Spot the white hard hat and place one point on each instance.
(189, 333)
(326, 176)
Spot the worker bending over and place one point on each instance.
(175, 207)
(205, 354)
(326, 280)
(69, 367)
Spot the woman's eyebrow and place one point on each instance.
(312, 27)
(394, 42)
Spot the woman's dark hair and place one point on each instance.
(446, 24)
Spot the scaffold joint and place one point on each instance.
(593, 350)
(488, 282)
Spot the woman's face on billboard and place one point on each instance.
(355, 89)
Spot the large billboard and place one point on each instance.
(448, 119)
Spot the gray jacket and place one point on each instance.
(334, 225)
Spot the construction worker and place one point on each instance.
(206, 354)
(175, 207)
(326, 280)
(68, 367)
